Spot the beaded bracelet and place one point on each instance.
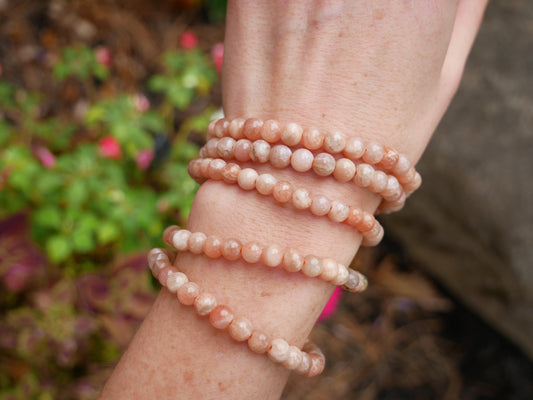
(272, 256)
(308, 361)
(283, 192)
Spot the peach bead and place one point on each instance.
(312, 138)
(158, 266)
(414, 184)
(211, 128)
(393, 189)
(163, 274)
(221, 316)
(204, 167)
(187, 293)
(312, 266)
(354, 216)
(252, 128)
(280, 156)
(259, 342)
(339, 211)
(320, 205)
(194, 169)
(154, 255)
(364, 175)
(251, 252)
(272, 255)
(167, 237)
(230, 173)
(213, 247)
(301, 199)
(401, 166)
(260, 151)
(196, 242)
(390, 158)
(395, 205)
(302, 160)
(334, 142)
(180, 240)
(354, 148)
(204, 303)
(271, 131)
(221, 127)
(329, 269)
(291, 134)
(226, 148)
(247, 178)
(294, 359)
(317, 365)
(265, 184)
(374, 153)
(216, 167)
(176, 280)
(356, 282)
(342, 275)
(282, 191)
(235, 128)
(279, 350)
(305, 364)
(344, 170)
(231, 249)
(240, 329)
(241, 152)
(293, 261)
(373, 236)
(366, 223)
(408, 176)
(211, 148)
(379, 184)
(324, 164)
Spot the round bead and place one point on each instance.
(364, 176)
(163, 274)
(379, 184)
(373, 236)
(312, 138)
(279, 350)
(302, 160)
(240, 329)
(187, 293)
(366, 223)
(334, 142)
(402, 165)
(159, 265)
(231, 249)
(301, 199)
(247, 178)
(196, 242)
(180, 240)
(414, 184)
(230, 173)
(294, 359)
(225, 148)
(251, 252)
(354, 217)
(241, 152)
(342, 275)
(339, 211)
(211, 128)
(354, 148)
(344, 170)
(252, 128)
(213, 247)
(282, 191)
(293, 261)
(271, 131)
(259, 342)
(324, 164)
(291, 134)
(221, 127)
(280, 156)
(408, 176)
(221, 316)
(265, 184)
(393, 189)
(374, 153)
(204, 167)
(216, 167)
(204, 303)
(312, 266)
(320, 205)
(272, 255)
(305, 364)
(211, 148)
(329, 269)
(317, 365)
(235, 128)
(260, 151)
(155, 255)
(389, 159)
(176, 280)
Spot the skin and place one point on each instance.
(381, 70)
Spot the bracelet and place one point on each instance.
(272, 256)
(309, 361)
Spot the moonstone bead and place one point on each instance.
(342, 275)
(379, 184)
(252, 128)
(265, 184)
(221, 127)
(312, 138)
(373, 236)
(162, 276)
(354, 148)
(374, 153)
(204, 303)
(260, 151)
(280, 156)
(211, 148)
(180, 240)
(393, 189)
(226, 147)
(194, 169)
(366, 223)
(204, 166)
(339, 211)
(294, 359)
(159, 265)
(317, 365)
(271, 131)
(154, 255)
(305, 364)
(390, 158)
(401, 166)
(293, 261)
(282, 191)
(291, 134)
(196, 242)
(356, 282)
(211, 128)
(364, 175)
(272, 255)
(251, 252)
(354, 216)
(344, 170)
(334, 142)
(241, 152)
(240, 329)
(230, 173)
(187, 293)
(302, 160)
(324, 164)
(231, 249)
(320, 205)
(235, 128)
(279, 350)
(259, 342)
(312, 266)
(408, 176)
(216, 167)
(221, 316)
(213, 247)
(176, 280)
(414, 184)
(247, 178)
(329, 269)
(301, 199)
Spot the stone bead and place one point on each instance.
(251, 252)
(213, 247)
(180, 240)
(280, 156)
(293, 261)
(354, 148)
(282, 191)
(334, 142)
(221, 317)
(354, 216)
(305, 364)
(356, 282)
(204, 167)
(291, 134)
(272, 255)
(271, 131)
(302, 160)
(317, 365)
(211, 128)
(204, 303)
(187, 293)
(329, 269)
(216, 167)
(260, 151)
(339, 211)
(364, 175)
(196, 242)
(235, 128)
(226, 147)
(259, 342)
(265, 184)
(301, 199)
(320, 205)
(312, 266)
(252, 128)
(407, 177)
(393, 189)
(294, 359)
(414, 184)
(211, 148)
(373, 236)
(176, 280)
(279, 350)
(344, 170)
(194, 169)
(231, 249)
(374, 153)
(221, 127)
(163, 274)
(379, 184)
(390, 158)
(395, 205)
(203, 153)
(240, 329)
(342, 275)
(159, 265)
(366, 223)
(241, 152)
(247, 178)
(154, 255)
(401, 166)
(324, 164)
(230, 173)
(312, 138)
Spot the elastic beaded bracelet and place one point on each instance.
(308, 361)
(272, 256)
(283, 192)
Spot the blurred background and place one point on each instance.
(103, 104)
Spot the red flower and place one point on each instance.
(188, 40)
(109, 147)
(332, 304)
(144, 159)
(217, 55)
(103, 56)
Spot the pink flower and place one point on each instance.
(103, 56)
(141, 103)
(217, 55)
(45, 157)
(188, 40)
(18, 277)
(144, 159)
(332, 305)
(109, 147)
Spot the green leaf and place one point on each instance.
(58, 248)
(83, 241)
(48, 217)
(107, 232)
(77, 194)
